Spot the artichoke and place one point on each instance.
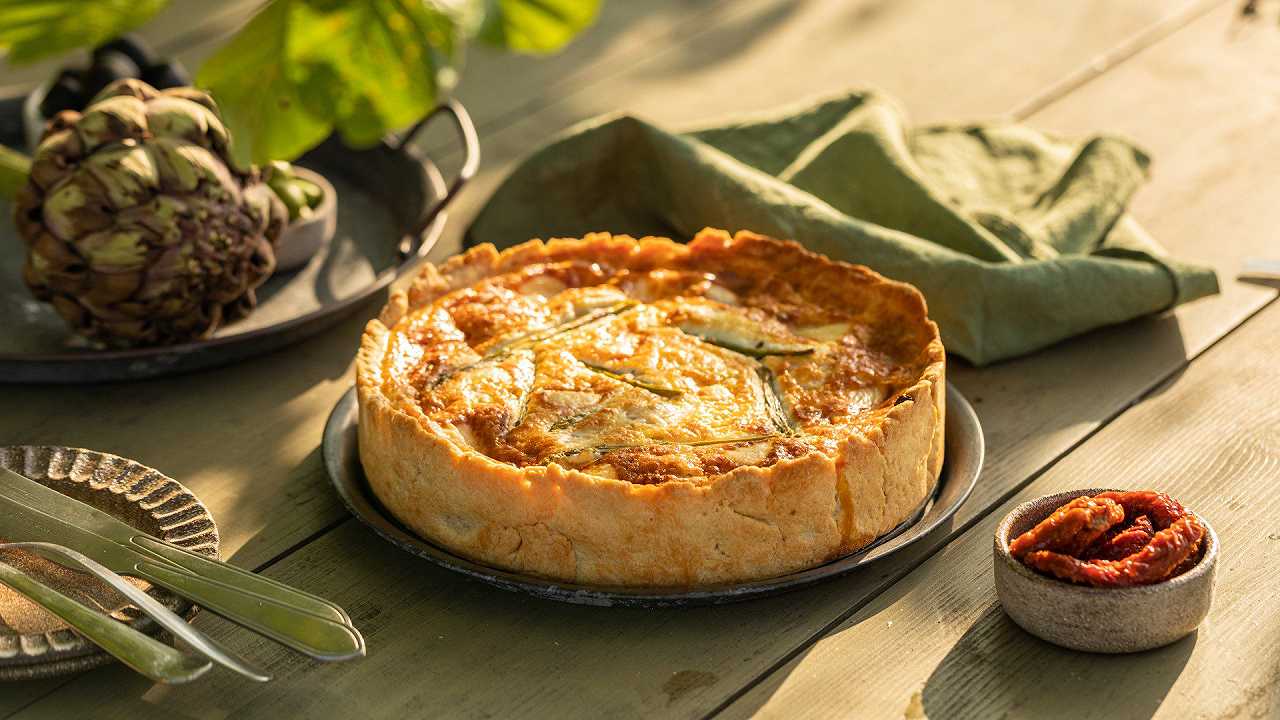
(140, 229)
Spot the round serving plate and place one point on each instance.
(390, 214)
(34, 643)
(964, 454)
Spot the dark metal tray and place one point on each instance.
(964, 454)
(390, 214)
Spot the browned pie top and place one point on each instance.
(649, 360)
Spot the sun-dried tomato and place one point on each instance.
(1086, 541)
(1161, 508)
(1120, 542)
(1071, 528)
(1157, 561)
(1192, 558)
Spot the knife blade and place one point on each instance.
(304, 622)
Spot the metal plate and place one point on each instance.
(964, 454)
(389, 217)
(34, 644)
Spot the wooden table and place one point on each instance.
(1188, 402)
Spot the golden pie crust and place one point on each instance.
(613, 411)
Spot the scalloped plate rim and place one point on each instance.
(83, 655)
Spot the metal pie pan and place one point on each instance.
(43, 646)
(964, 455)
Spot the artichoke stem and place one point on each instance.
(14, 167)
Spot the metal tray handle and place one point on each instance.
(470, 161)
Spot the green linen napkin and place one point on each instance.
(1017, 239)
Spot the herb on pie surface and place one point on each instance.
(629, 377)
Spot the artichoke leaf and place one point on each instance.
(112, 287)
(130, 87)
(126, 172)
(76, 205)
(175, 171)
(175, 117)
(569, 421)
(55, 157)
(112, 120)
(117, 251)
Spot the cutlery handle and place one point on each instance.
(164, 617)
(144, 654)
(321, 638)
(249, 582)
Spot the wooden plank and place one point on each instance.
(17, 695)
(943, 61)
(1200, 203)
(244, 437)
(663, 636)
(959, 643)
(1212, 439)
(479, 651)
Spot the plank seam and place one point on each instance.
(315, 535)
(1113, 58)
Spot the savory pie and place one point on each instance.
(643, 412)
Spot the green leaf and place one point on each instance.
(536, 26)
(303, 68)
(32, 29)
(252, 82)
(371, 66)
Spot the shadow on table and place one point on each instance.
(224, 432)
(735, 36)
(1034, 403)
(998, 666)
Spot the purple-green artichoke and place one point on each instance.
(140, 229)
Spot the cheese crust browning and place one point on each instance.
(614, 411)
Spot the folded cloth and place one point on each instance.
(1017, 239)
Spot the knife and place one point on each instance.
(144, 654)
(304, 622)
(1261, 268)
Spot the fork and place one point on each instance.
(144, 654)
(152, 660)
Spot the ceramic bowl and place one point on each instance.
(1102, 620)
(302, 239)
